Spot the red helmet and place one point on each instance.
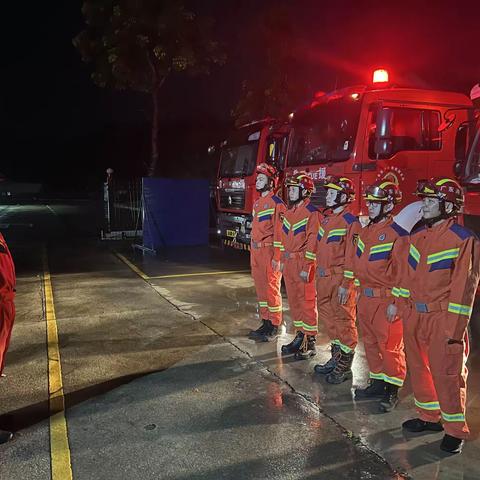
(383, 191)
(341, 184)
(442, 188)
(268, 170)
(302, 180)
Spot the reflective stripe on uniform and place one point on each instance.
(310, 255)
(360, 247)
(297, 226)
(348, 274)
(453, 417)
(265, 214)
(460, 309)
(304, 326)
(274, 309)
(427, 405)
(337, 232)
(268, 211)
(413, 256)
(381, 247)
(443, 255)
(400, 292)
(383, 376)
(343, 347)
(321, 233)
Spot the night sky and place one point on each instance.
(59, 128)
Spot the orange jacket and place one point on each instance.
(267, 211)
(333, 242)
(440, 268)
(298, 228)
(7, 271)
(374, 261)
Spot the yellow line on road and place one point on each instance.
(132, 266)
(176, 275)
(59, 447)
(225, 272)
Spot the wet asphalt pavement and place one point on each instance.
(160, 380)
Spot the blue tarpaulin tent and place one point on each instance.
(175, 212)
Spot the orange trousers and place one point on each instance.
(7, 316)
(339, 320)
(383, 340)
(267, 284)
(301, 296)
(438, 370)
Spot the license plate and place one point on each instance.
(231, 233)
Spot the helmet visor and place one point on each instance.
(376, 194)
(425, 188)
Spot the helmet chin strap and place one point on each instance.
(337, 204)
(381, 215)
(299, 199)
(443, 215)
(267, 187)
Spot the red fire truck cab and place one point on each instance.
(254, 143)
(382, 131)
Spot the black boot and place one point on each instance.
(328, 367)
(5, 436)
(307, 348)
(418, 425)
(451, 444)
(269, 333)
(343, 369)
(294, 345)
(254, 334)
(390, 399)
(376, 389)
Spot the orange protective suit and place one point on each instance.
(267, 211)
(299, 225)
(332, 241)
(439, 276)
(374, 266)
(7, 296)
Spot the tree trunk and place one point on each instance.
(155, 130)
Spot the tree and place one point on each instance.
(139, 44)
(277, 84)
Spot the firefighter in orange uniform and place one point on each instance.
(300, 223)
(7, 310)
(335, 284)
(267, 211)
(439, 275)
(7, 296)
(375, 272)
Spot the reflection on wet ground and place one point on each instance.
(226, 304)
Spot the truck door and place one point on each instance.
(405, 141)
(468, 166)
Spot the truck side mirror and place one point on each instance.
(447, 122)
(383, 133)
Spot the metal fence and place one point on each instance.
(122, 200)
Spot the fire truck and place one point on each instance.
(384, 131)
(251, 144)
(468, 169)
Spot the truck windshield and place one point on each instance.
(238, 156)
(325, 133)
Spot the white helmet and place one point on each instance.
(475, 92)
